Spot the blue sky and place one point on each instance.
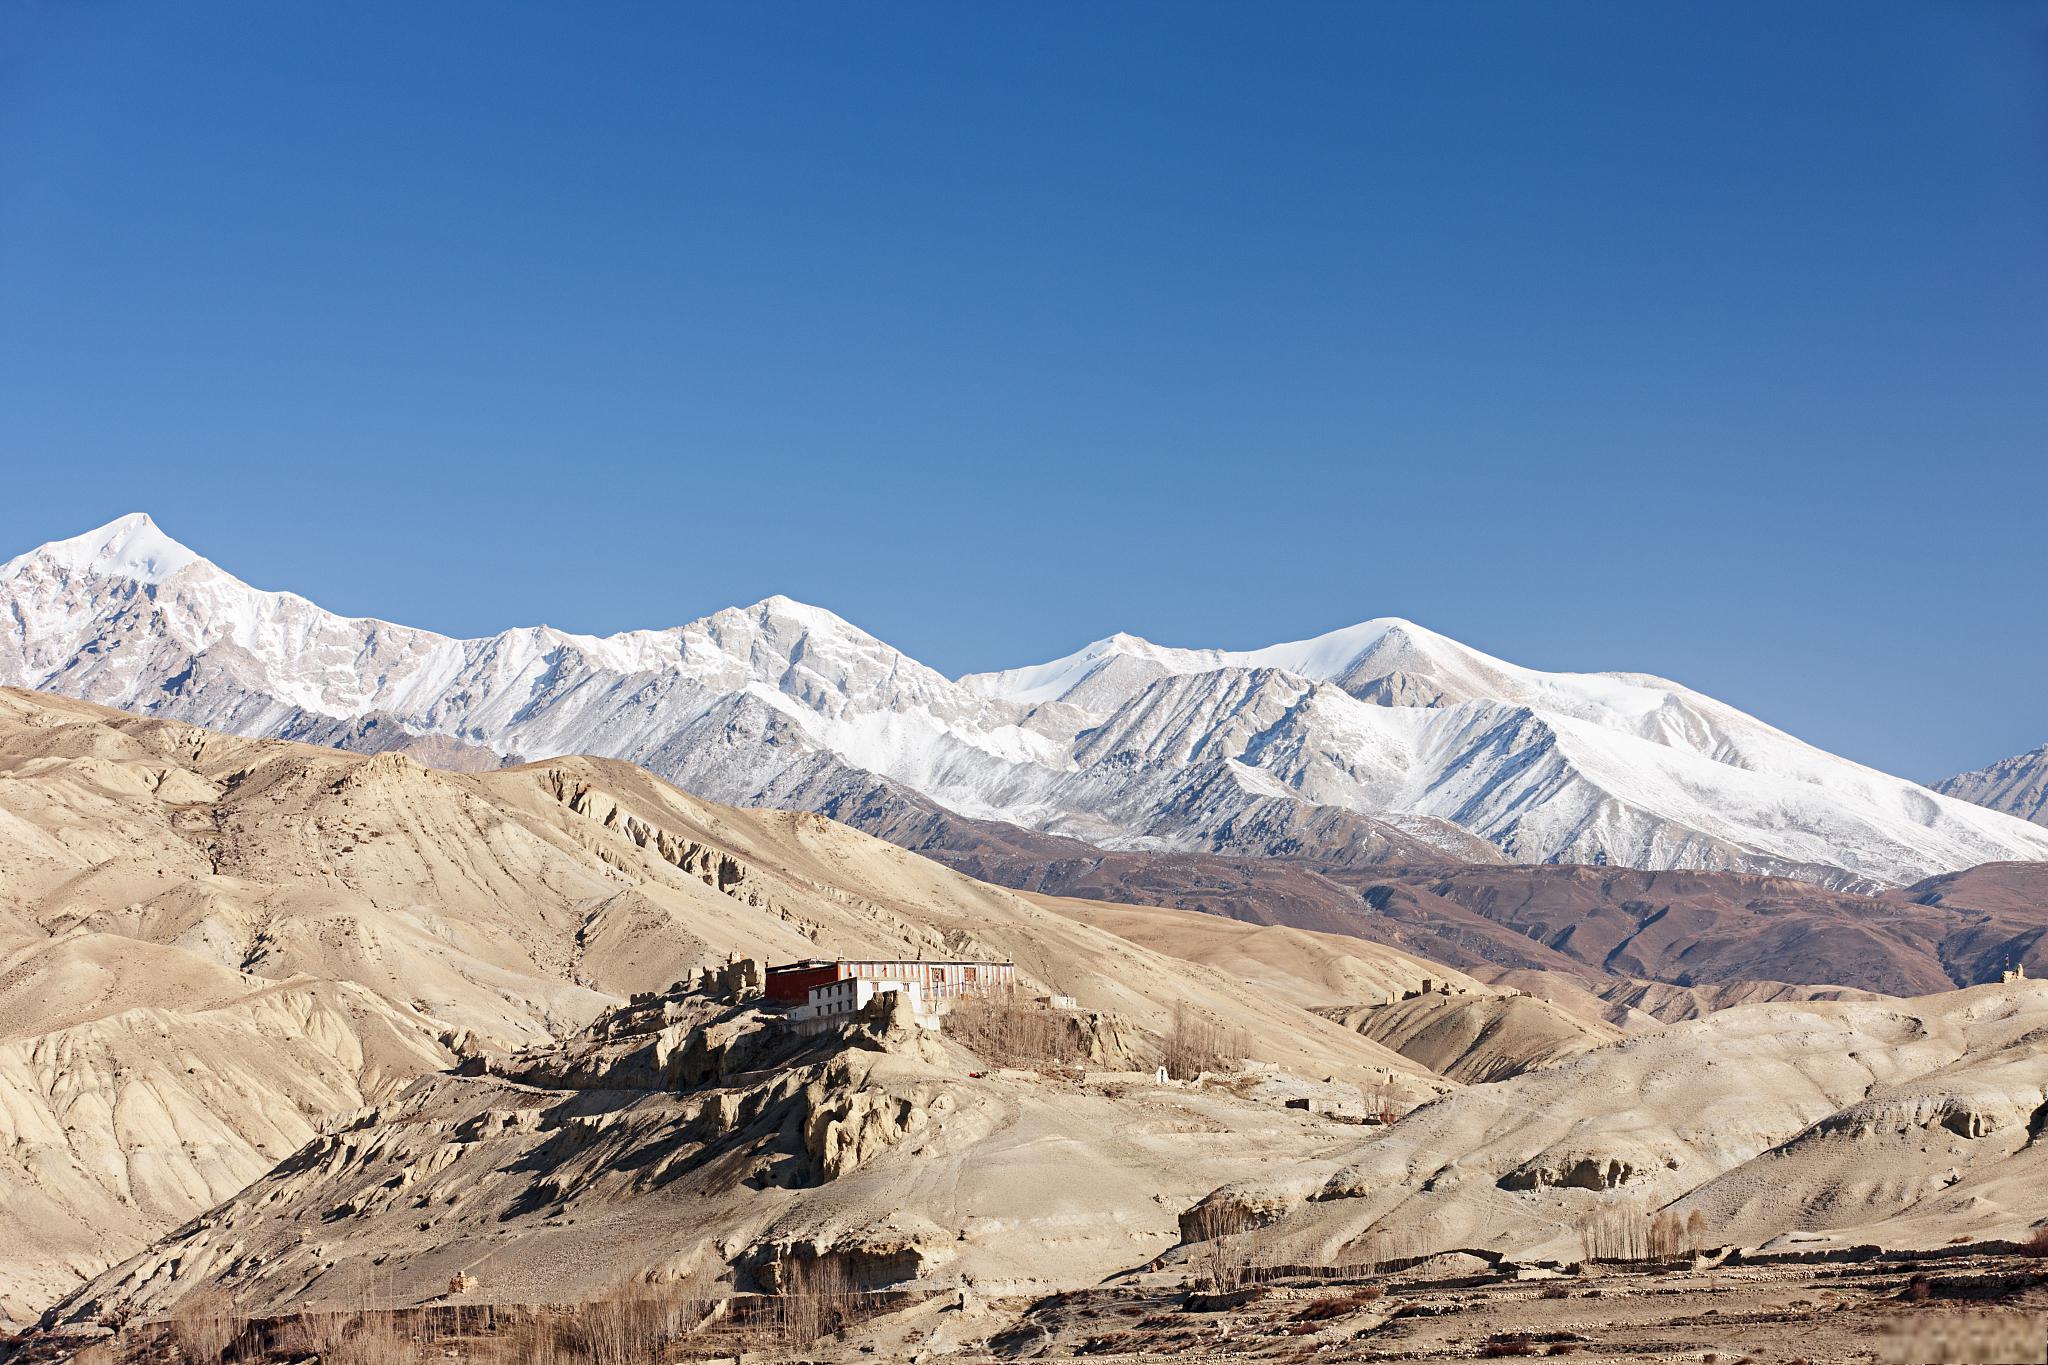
(1707, 340)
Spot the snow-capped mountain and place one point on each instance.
(1379, 741)
(2017, 785)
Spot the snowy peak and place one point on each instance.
(131, 547)
(1065, 678)
(1125, 742)
(1425, 668)
(789, 627)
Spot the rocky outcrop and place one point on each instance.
(716, 868)
(1555, 1171)
(2016, 785)
(845, 1129)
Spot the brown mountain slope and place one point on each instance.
(1461, 903)
(1678, 927)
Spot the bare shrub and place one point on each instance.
(1389, 1243)
(376, 1339)
(1007, 1031)
(635, 1322)
(1196, 1043)
(530, 1339)
(1507, 1344)
(1614, 1232)
(1221, 1261)
(1230, 1248)
(1337, 1305)
(2036, 1245)
(354, 1338)
(817, 1298)
(205, 1324)
(318, 1334)
(1381, 1104)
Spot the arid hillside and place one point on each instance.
(1596, 924)
(212, 949)
(313, 1029)
(1819, 1124)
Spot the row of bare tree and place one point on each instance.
(634, 1323)
(1196, 1043)
(1007, 1031)
(1624, 1232)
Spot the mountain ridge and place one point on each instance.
(2017, 786)
(1413, 737)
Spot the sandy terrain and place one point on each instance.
(1907, 1123)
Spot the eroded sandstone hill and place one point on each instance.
(212, 947)
(696, 1136)
(1902, 1123)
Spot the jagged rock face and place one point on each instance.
(555, 1171)
(844, 1131)
(1379, 742)
(2017, 785)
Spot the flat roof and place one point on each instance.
(892, 962)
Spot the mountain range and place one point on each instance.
(1379, 743)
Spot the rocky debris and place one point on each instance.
(1552, 1172)
(897, 1248)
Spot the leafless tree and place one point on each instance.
(817, 1297)
(1615, 1232)
(204, 1324)
(1196, 1043)
(1007, 1031)
(635, 1322)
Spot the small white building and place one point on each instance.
(831, 1002)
